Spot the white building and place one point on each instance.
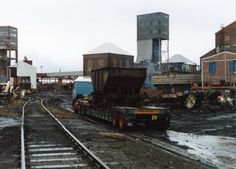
(23, 74)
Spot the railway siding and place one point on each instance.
(48, 144)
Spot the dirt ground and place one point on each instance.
(13, 109)
(204, 123)
(124, 153)
(10, 134)
(9, 147)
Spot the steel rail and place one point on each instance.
(23, 164)
(99, 163)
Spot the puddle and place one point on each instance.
(216, 150)
(9, 122)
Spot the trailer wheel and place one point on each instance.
(165, 123)
(76, 111)
(114, 120)
(75, 107)
(81, 109)
(122, 124)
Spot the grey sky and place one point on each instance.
(55, 33)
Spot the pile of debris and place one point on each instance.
(211, 101)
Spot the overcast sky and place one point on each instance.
(56, 33)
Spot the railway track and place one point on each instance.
(47, 143)
(156, 140)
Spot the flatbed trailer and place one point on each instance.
(115, 99)
(122, 116)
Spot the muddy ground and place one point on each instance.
(128, 153)
(9, 147)
(204, 123)
(10, 134)
(120, 151)
(208, 136)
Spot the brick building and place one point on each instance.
(219, 68)
(106, 55)
(219, 64)
(225, 39)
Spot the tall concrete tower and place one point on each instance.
(8, 50)
(153, 38)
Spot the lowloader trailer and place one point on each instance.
(115, 98)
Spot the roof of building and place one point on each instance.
(62, 74)
(217, 54)
(108, 48)
(211, 52)
(180, 59)
(225, 27)
(21, 63)
(83, 79)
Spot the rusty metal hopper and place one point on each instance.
(123, 81)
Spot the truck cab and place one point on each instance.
(82, 88)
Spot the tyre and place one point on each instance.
(114, 120)
(122, 124)
(75, 107)
(165, 123)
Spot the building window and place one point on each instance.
(227, 46)
(227, 38)
(232, 66)
(212, 67)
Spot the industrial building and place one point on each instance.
(58, 77)
(23, 75)
(106, 55)
(178, 74)
(219, 65)
(152, 38)
(179, 63)
(8, 50)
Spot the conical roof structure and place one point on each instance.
(180, 59)
(108, 48)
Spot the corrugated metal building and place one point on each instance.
(106, 55)
(151, 30)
